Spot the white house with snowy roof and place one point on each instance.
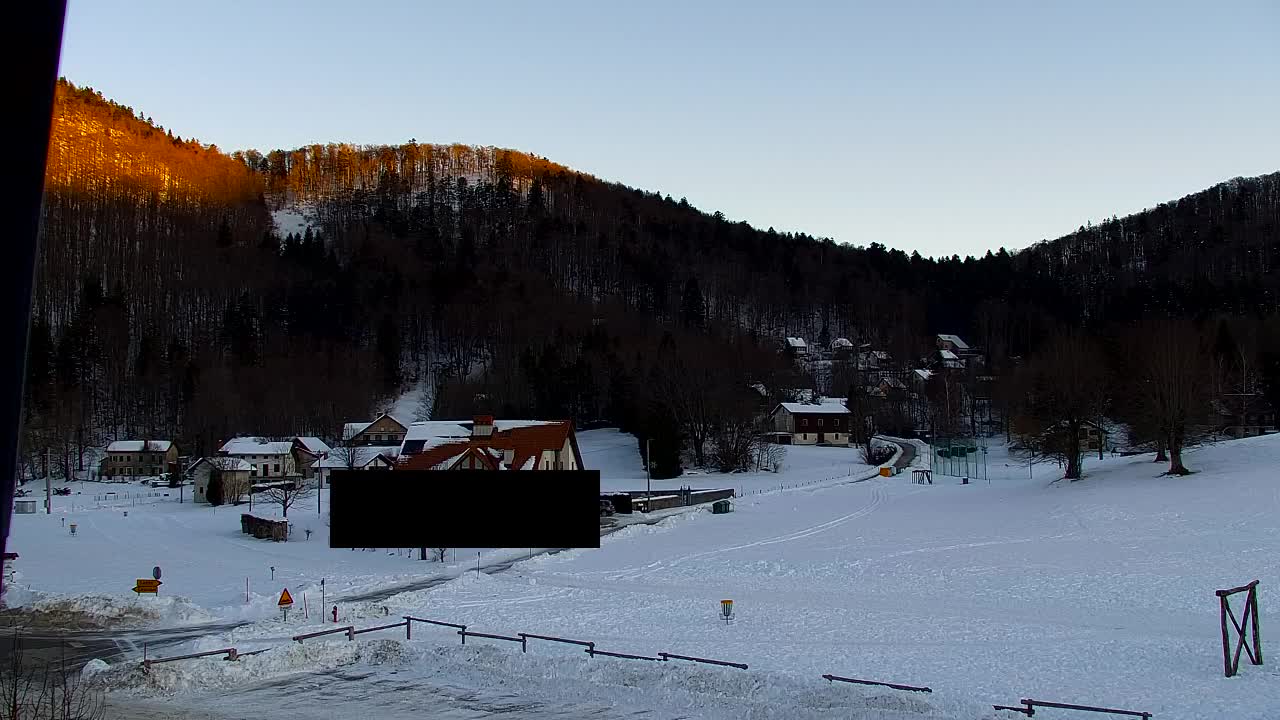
(796, 346)
(138, 458)
(269, 458)
(826, 423)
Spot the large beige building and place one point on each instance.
(138, 458)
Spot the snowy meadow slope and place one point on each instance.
(1099, 592)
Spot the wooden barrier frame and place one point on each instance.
(895, 686)
(1231, 663)
(668, 656)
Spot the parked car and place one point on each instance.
(606, 508)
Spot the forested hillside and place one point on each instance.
(168, 307)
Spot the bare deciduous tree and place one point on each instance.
(235, 486)
(351, 457)
(1172, 362)
(1062, 383)
(31, 690)
(286, 494)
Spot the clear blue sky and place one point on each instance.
(938, 126)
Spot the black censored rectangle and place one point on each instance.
(464, 508)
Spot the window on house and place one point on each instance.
(804, 422)
(819, 422)
(277, 469)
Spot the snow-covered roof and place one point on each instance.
(227, 463)
(361, 456)
(893, 382)
(948, 355)
(314, 444)
(806, 409)
(256, 446)
(760, 388)
(137, 446)
(352, 429)
(834, 401)
(955, 341)
(796, 342)
(923, 374)
(438, 429)
(841, 343)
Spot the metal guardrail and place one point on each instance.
(435, 622)
(404, 624)
(624, 656)
(668, 656)
(350, 630)
(229, 652)
(895, 686)
(1033, 704)
(524, 647)
(590, 646)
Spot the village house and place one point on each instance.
(842, 348)
(888, 387)
(489, 445)
(381, 431)
(795, 347)
(138, 458)
(235, 473)
(268, 458)
(306, 452)
(953, 344)
(1243, 415)
(806, 424)
(869, 359)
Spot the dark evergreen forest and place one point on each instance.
(168, 307)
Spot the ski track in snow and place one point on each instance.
(877, 498)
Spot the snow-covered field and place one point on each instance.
(1097, 592)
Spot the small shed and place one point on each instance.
(24, 506)
(720, 507)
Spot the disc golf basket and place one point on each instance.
(726, 610)
(1249, 613)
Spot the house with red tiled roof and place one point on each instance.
(548, 445)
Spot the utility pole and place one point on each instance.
(48, 485)
(648, 483)
(182, 472)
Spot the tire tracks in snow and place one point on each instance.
(878, 497)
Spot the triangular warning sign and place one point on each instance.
(285, 598)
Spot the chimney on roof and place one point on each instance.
(482, 426)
